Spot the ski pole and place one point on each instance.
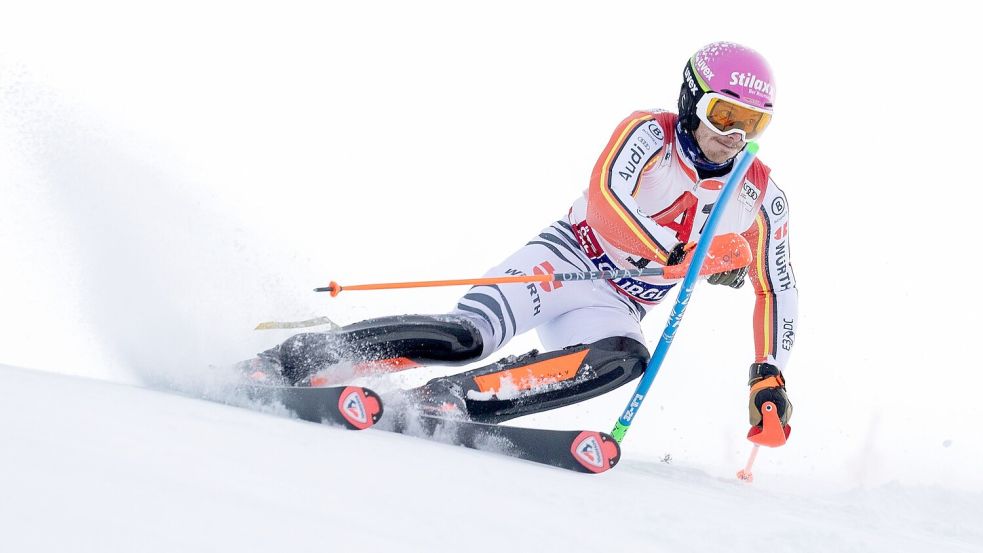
(685, 291)
(770, 434)
(745, 473)
(728, 252)
(336, 288)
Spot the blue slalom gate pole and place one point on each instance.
(686, 290)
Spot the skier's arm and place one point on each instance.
(776, 304)
(775, 308)
(636, 145)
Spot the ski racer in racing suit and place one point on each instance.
(650, 194)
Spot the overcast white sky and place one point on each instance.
(171, 175)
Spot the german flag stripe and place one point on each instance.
(765, 327)
(614, 150)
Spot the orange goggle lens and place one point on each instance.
(727, 116)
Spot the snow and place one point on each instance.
(171, 177)
(109, 467)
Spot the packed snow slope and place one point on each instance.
(88, 465)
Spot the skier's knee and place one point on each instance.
(431, 339)
(423, 339)
(619, 359)
(303, 354)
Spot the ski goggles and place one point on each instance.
(728, 117)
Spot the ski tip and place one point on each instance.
(596, 452)
(360, 407)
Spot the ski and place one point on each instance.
(359, 408)
(353, 407)
(577, 450)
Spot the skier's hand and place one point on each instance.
(767, 384)
(678, 252)
(733, 278)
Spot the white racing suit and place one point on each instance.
(645, 196)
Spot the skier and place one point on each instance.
(650, 194)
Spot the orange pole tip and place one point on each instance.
(771, 433)
(745, 473)
(335, 288)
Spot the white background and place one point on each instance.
(172, 175)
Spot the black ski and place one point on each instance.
(354, 407)
(578, 450)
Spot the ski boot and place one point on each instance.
(264, 369)
(441, 397)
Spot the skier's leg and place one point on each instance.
(484, 320)
(535, 382)
(512, 309)
(387, 343)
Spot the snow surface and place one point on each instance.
(88, 465)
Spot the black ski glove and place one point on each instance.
(678, 253)
(767, 384)
(733, 278)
